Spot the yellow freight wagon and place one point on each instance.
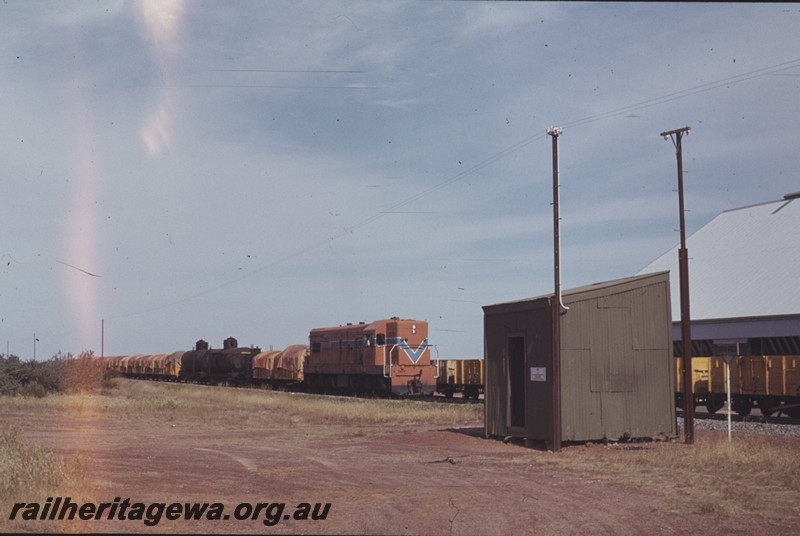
(771, 383)
(460, 376)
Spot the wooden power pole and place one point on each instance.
(683, 267)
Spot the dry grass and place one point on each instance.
(227, 406)
(30, 473)
(221, 408)
(753, 475)
(32, 469)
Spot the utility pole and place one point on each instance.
(555, 439)
(683, 267)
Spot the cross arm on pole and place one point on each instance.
(678, 132)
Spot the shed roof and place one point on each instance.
(585, 292)
(743, 263)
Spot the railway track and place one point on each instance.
(735, 417)
(296, 388)
(440, 399)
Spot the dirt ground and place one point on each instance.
(378, 480)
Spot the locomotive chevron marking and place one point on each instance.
(413, 355)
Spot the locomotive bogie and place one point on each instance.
(344, 382)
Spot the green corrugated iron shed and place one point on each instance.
(617, 370)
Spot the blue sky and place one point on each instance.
(186, 170)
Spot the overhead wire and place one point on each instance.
(702, 88)
(757, 73)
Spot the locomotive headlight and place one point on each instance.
(414, 329)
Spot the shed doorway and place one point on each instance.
(516, 380)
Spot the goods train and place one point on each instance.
(383, 357)
(394, 357)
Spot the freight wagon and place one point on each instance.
(460, 376)
(771, 383)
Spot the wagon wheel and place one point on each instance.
(714, 403)
(767, 408)
(793, 412)
(742, 406)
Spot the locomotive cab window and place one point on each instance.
(380, 339)
(316, 347)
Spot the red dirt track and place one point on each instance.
(378, 479)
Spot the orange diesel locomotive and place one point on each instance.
(384, 356)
